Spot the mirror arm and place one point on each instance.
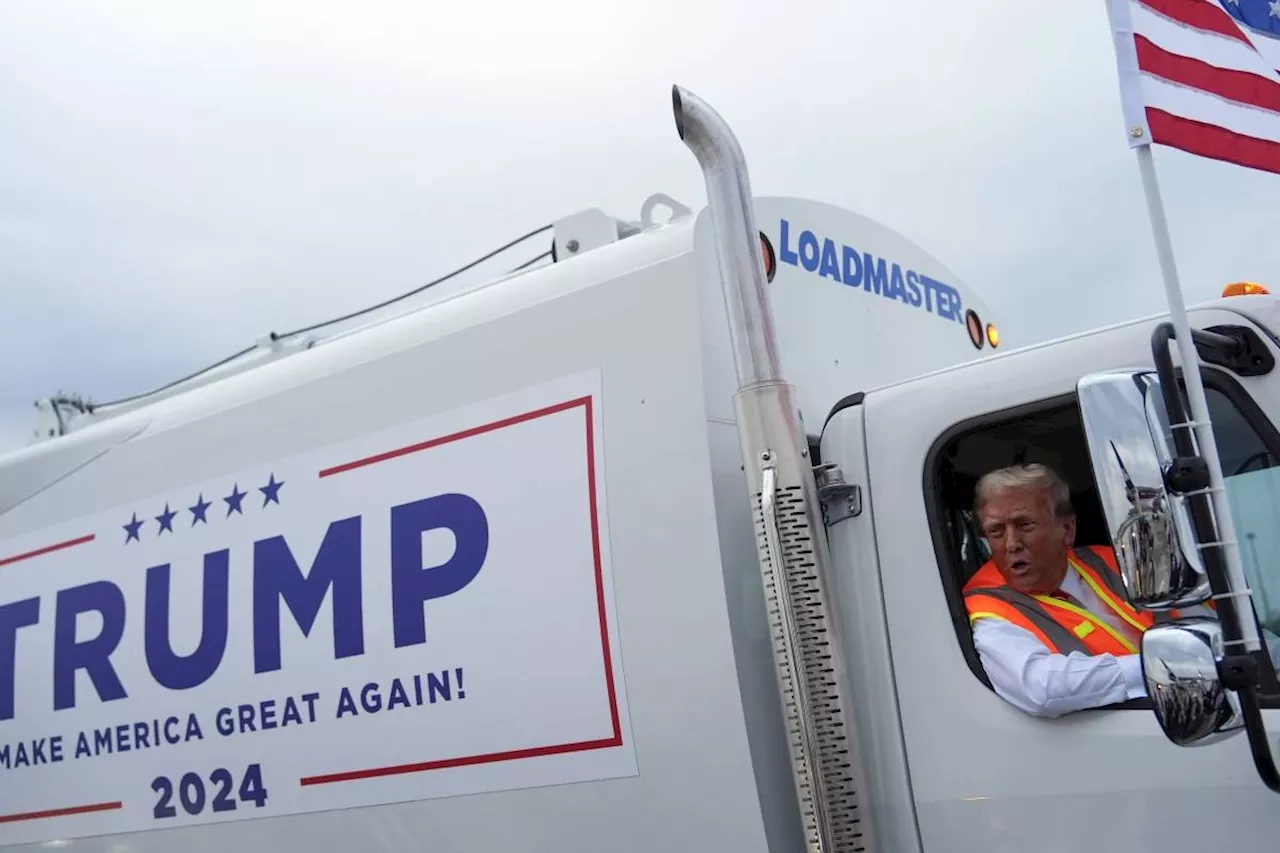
(1236, 348)
(1223, 346)
(1253, 724)
(1238, 672)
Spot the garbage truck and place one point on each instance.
(658, 546)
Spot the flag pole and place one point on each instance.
(1208, 448)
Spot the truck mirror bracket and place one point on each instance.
(1236, 348)
(840, 500)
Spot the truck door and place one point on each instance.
(981, 774)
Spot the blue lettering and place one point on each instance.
(920, 295)
(947, 298)
(946, 307)
(179, 672)
(897, 287)
(852, 267)
(276, 576)
(93, 656)
(808, 250)
(931, 292)
(398, 696)
(785, 253)
(370, 698)
(279, 581)
(860, 269)
(224, 721)
(913, 288)
(438, 686)
(170, 736)
(412, 585)
(957, 309)
(874, 276)
(101, 741)
(13, 616)
(346, 705)
(830, 263)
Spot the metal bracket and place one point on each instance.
(840, 500)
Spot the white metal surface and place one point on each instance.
(695, 788)
(835, 332)
(690, 603)
(858, 594)
(420, 612)
(586, 230)
(985, 776)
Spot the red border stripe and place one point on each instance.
(599, 567)
(1239, 86)
(464, 761)
(64, 812)
(48, 549)
(457, 436)
(533, 752)
(1209, 140)
(1199, 15)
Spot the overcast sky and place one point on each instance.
(177, 179)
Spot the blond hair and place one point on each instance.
(1030, 476)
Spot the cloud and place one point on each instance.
(175, 182)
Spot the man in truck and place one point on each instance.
(1050, 620)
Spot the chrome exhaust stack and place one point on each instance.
(755, 349)
(792, 544)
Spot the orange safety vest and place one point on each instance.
(1061, 626)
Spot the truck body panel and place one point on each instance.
(892, 358)
(985, 775)
(695, 786)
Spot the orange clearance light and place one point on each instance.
(1245, 288)
(993, 336)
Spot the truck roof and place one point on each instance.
(1261, 308)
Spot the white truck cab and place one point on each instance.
(501, 572)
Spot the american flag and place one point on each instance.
(1202, 76)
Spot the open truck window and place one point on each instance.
(1051, 432)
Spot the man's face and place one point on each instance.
(1028, 542)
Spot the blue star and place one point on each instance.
(166, 519)
(198, 511)
(233, 502)
(271, 491)
(132, 528)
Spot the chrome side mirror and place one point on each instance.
(1127, 433)
(1180, 665)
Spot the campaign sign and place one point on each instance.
(419, 613)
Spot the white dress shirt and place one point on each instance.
(1026, 674)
